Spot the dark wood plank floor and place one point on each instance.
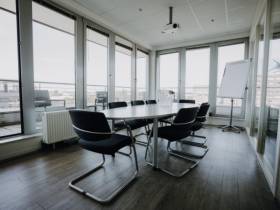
(228, 177)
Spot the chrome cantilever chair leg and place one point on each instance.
(124, 153)
(142, 143)
(174, 153)
(171, 152)
(200, 150)
(111, 196)
(148, 144)
(200, 142)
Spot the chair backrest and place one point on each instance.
(118, 104)
(151, 102)
(90, 126)
(185, 117)
(137, 102)
(202, 112)
(187, 101)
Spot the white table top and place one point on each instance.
(145, 111)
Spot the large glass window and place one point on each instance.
(97, 67)
(10, 117)
(54, 58)
(197, 74)
(168, 75)
(259, 77)
(226, 54)
(272, 94)
(123, 71)
(141, 74)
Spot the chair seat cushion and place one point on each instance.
(172, 133)
(196, 126)
(107, 146)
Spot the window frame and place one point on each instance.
(185, 73)
(19, 72)
(62, 11)
(179, 81)
(147, 73)
(244, 100)
(132, 67)
(93, 27)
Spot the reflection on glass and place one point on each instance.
(226, 54)
(169, 67)
(10, 119)
(97, 68)
(259, 77)
(141, 75)
(197, 74)
(272, 94)
(123, 73)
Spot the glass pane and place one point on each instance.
(272, 94)
(10, 119)
(169, 68)
(54, 62)
(197, 74)
(259, 77)
(97, 68)
(122, 74)
(141, 75)
(226, 54)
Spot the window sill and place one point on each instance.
(19, 138)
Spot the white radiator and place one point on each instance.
(57, 126)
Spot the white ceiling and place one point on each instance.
(194, 17)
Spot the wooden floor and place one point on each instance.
(228, 177)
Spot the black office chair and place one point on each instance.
(200, 141)
(200, 119)
(151, 102)
(137, 102)
(96, 136)
(162, 120)
(128, 124)
(187, 101)
(147, 121)
(118, 124)
(178, 130)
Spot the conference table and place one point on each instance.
(151, 111)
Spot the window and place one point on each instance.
(123, 70)
(168, 75)
(54, 58)
(97, 66)
(228, 53)
(10, 108)
(259, 77)
(141, 75)
(272, 95)
(197, 74)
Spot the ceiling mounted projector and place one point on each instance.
(171, 27)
